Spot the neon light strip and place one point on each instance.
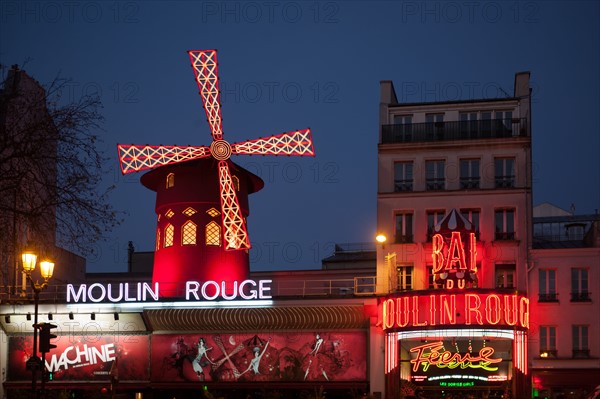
(176, 305)
(510, 334)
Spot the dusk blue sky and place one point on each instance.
(291, 65)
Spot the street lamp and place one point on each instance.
(29, 258)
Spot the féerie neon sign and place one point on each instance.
(434, 354)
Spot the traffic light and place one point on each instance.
(45, 337)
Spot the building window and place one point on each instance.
(469, 173)
(469, 126)
(434, 126)
(188, 233)
(435, 175)
(213, 234)
(548, 341)
(580, 342)
(189, 211)
(547, 282)
(504, 124)
(472, 215)
(169, 233)
(430, 278)
(403, 126)
(504, 170)
(236, 182)
(505, 224)
(171, 180)
(404, 278)
(579, 285)
(433, 218)
(404, 228)
(505, 276)
(212, 212)
(403, 176)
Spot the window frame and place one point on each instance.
(406, 231)
(436, 180)
(406, 183)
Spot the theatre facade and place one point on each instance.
(456, 298)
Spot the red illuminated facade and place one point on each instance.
(454, 200)
(467, 296)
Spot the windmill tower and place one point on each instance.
(202, 196)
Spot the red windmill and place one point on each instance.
(175, 263)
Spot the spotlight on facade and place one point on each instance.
(71, 317)
(28, 316)
(50, 316)
(7, 318)
(381, 239)
(93, 316)
(116, 315)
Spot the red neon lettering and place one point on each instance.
(430, 355)
(473, 308)
(437, 255)
(388, 313)
(432, 310)
(492, 309)
(510, 310)
(456, 252)
(402, 315)
(448, 309)
(473, 251)
(416, 313)
(524, 310)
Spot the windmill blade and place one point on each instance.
(298, 143)
(134, 158)
(207, 77)
(234, 227)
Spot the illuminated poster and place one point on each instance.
(85, 358)
(324, 356)
(458, 362)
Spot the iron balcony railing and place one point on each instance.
(454, 130)
(361, 285)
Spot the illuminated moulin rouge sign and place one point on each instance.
(468, 307)
(194, 291)
(434, 354)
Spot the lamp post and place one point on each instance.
(29, 258)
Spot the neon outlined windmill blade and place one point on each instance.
(134, 158)
(204, 63)
(234, 226)
(298, 143)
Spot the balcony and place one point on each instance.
(469, 183)
(454, 130)
(552, 297)
(403, 185)
(548, 353)
(581, 296)
(504, 236)
(403, 239)
(581, 353)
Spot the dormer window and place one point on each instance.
(171, 180)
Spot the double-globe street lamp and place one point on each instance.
(29, 258)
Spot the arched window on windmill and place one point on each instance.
(157, 239)
(188, 233)
(213, 234)
(169, 233)
(171, 180)
(236, 183)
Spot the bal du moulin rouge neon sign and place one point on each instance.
(454, 255)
